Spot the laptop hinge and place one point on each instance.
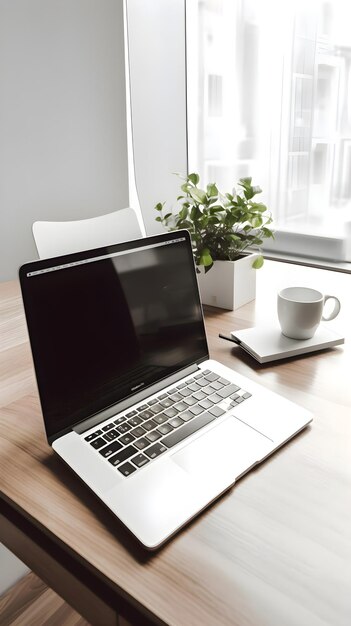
(92, 421)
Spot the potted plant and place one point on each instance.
(224, 228)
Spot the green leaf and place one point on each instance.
(183, 213)
(167, 216)
(158, 219)
(185, 187)
(199, 195)
(258, 206)
(246, 181)
(248, 193)
(258, 262)
(267, 232)
(205, 257)
(159, 206)
(212, 190)
(256, 221)
(195, 213)
(194, 178)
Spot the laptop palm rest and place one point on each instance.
(186, 481)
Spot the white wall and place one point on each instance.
(63, 146)
(156, 47)
(11, 569)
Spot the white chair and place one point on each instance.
(56, 238)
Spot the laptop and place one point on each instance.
(131, 400)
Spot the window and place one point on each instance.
(268, 97)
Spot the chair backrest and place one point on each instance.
(56, 238)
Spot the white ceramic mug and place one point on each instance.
(300, 310)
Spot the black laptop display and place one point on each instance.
(109, 322)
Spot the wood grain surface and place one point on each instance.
(30, 601)
(274, 550)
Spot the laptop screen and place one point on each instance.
(107, 323)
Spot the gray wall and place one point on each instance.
(63, 145)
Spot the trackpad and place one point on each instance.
(226, 451)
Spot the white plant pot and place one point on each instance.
(228, 284)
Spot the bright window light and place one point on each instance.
(269, 97)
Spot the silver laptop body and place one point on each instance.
(130, 399)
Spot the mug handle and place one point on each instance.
(335, 310)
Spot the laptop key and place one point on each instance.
(124, 428)
(108, 427)
(131, 414)
(125, 439)
(98, 443)
(139, 431)
(186, 416)
(141, 443)
(142, 407)
(155, 450)
(224, 381)
(185, 392)
(228, 390)
(171, 412)
(207, 390)
(206, 403)
(188, 429)
(110, 449)
(216, 411)
(180, 406)
(164, 429)
(176, 397)
(135, 421)
(176, 422)
(167, 402)
(156, 408)
(123, 455)
(160, 418)
(120, 420)
(216, 385)
(196, 409)
(140, 459)
(211, 376)
(145, 415)
(194, 387)
(153, 436)
(246, 395)
(110, 436)
(150, 425)
(93, 435)
(189, 401)
(202, 382)
(216, 398)
(199, 395)
(126, 469)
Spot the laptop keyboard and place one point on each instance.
(137, 437)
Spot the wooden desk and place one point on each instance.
(275, 550)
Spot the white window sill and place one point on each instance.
(311, 249)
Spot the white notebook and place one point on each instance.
(267, 344)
